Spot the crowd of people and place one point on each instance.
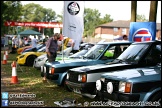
(14, 43)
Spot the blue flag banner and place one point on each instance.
(142, 31)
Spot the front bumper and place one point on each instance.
(38, 64)
(20, 61)
(84, 88)
(117, 96)
(45, 71)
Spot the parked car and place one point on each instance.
(132, 85)
(84, 44)
(82, 80)
(40, 61)
(20, 50)
(98, 54)
(39, 46)
(27, 58)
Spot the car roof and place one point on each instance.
(145, 42)
(116, 42)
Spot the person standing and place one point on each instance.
(52, 47)
(125, 38)
(14, 40)
(26, 42)
(10, 43)
(34, 43)
(75, 46)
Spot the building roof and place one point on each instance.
(122, 24)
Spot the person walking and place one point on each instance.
(52, 47)
(34, 43)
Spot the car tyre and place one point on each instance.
(30, 60)
(157, 98)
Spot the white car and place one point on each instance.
(40, 60)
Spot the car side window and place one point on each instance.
(109, 53)
(154, 56)
(113, 52)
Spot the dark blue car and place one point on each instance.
(98, 54)
(39, 46)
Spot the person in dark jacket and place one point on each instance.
(52, 47)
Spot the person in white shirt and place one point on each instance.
(14, 41)
(34, 43)
(75, 46)
(26, 42)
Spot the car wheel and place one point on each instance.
(157, 98)
(30, 60)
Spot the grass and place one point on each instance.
(30, 81)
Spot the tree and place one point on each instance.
(106, 19)
(92, 18)
(141, 18)
(60, 17)
(3, 8)
(11, 11)
(36, 13)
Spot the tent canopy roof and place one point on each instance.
(29, 32)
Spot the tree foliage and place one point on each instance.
(107, 18)
(36, 13)
(10, 11)
(92, 18)
(141, 18)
